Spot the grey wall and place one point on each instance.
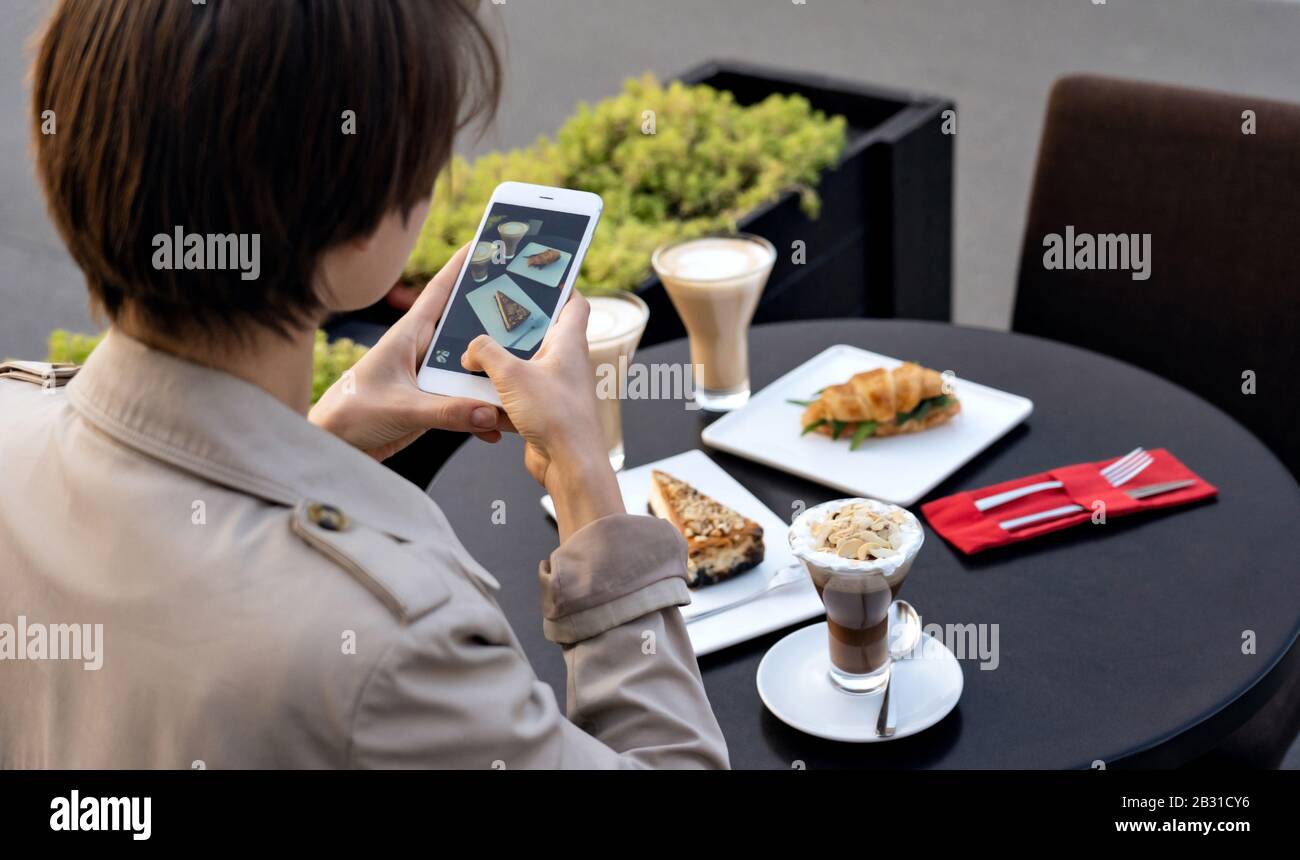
(997, 58)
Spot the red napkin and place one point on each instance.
(958, 521)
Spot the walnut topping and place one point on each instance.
(720, 542)
(702, 518)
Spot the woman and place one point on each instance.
(270, 594)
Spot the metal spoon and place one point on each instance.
(900, 613)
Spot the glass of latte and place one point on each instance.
(511, 232)
(479, 261)
(715, 282)
(614, 328)
(858, 552)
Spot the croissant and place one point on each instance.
(543, 259)
(880, 402)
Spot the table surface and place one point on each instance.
(1117, 643)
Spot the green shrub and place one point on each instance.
(71, 347)
(329, 360)
(708, 163)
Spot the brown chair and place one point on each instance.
(1222, 209)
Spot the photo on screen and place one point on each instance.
(511, 288)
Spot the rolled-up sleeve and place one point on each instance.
(609, 572)
(455, 693)
(609, 596)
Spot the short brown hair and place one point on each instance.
(229, 118)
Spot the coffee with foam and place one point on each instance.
(857, 552)
(715, 283)
(612, 317)
(613, 331)
(713, 260)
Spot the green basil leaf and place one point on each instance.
(922, 409)
(865, 429)
(813, 426)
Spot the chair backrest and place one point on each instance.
(1212, 182)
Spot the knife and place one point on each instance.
(1134, 493)
(1157, 489)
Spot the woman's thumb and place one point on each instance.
(486, 355)
(574, 315)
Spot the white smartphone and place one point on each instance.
(517, 275)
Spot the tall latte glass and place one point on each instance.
(511, 232)
(715, 283)
(614, 329)
(479, 261)
(858, 552)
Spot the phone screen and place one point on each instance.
(511, 288)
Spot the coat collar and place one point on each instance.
(233, 433)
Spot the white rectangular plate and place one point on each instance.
(896, 469)
(483, 301)
(547, 275)
(780, 608)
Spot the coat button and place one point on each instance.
(328, 517)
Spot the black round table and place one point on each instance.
(1120, 643)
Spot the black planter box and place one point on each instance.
(881, 245)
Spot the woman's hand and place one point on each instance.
(551, 401)
(377, 405)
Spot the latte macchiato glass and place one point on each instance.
(614, 329)
(715, 282)
(511, 232)
(858, 552)
(479, 260)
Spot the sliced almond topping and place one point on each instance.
(849, 548)
(856, 531)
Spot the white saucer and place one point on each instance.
(793, 682)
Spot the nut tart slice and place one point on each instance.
(512, 313)
(874, 403)
(720, 542)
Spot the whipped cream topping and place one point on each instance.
(812, 536)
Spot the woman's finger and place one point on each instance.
(571, 324)
(504, 424)
(573, 318)
(437, 412)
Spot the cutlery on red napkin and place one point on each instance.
(959, 522)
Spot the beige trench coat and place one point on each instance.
(269, 597)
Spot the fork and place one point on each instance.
(788, 575)
(1117, 474)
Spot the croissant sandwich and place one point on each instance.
(880, 402)
(542, 259)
